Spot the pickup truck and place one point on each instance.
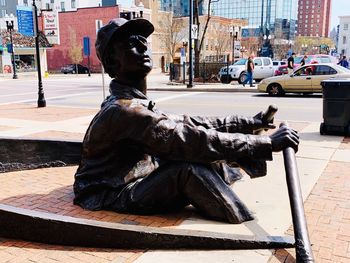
(237, 71)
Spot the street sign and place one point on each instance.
(25, 20)
(86, 42)
(194, 32)
(51, 26)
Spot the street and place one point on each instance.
(86, 92)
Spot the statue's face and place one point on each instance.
(133, 57)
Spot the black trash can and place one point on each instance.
(336, 107)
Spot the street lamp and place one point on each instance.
(41, 97)
(304, 48)
(10, 28)
(234, 35)
(140, 8)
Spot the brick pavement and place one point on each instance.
(327, 211)
(327, 207)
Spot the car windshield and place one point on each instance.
(241, 62)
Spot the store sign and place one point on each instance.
(51, 26)
(25, 20)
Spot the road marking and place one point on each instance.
(49, 98)
(177, 96)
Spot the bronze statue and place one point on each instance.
(137, 159)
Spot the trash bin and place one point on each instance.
(336, 107)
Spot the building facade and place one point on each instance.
(265, 17)
(7, 7)
(344, 36)
(314, 18)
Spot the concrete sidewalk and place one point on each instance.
(323, 161)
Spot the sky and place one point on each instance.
(339, 8)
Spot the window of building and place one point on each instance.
(73, 4)
(3, 2)
(346, 26)
(63, 8)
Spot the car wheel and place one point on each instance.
(275, 89)
(225, 79)
(242, 77)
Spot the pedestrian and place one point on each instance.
(137, 159)
(250, 70)
(290, 63)
(303, 61)
(343, 62)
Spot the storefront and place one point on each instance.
(25, 60)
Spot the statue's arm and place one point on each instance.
(230, 124)
(163, 137)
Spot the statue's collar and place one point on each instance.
(124, 91)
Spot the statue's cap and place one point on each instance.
(120, 29)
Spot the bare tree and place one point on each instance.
(75, 49)
(172, 32)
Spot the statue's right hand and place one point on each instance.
(283, 138)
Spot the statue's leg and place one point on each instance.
(176, 184)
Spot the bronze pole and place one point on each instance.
(302, 243)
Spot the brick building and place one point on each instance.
(81, 23)
(314, 18)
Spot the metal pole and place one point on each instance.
(13, 54)
(41, 97)
(190, 70)
(302, 243)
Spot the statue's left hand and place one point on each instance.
(264, 120)
(261, 123)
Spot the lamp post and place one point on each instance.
(190, 42)
(10, 28)
(304, 48)
(137, 11)
(41, 97)
(234, 35)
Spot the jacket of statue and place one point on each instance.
(128, 135)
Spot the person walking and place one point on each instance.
(303, 61)
(343, 62)
(291, 63)
(250, 69)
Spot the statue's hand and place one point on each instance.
(283, 138)
(264, 120)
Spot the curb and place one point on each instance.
(195, 89)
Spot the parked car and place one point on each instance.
(72, 68)
(313, 59)
(278, 63)
(307, 79)
(237, 71)
(281, 70)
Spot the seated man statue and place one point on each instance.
(137, 159)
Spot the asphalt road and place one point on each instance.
(82, 91)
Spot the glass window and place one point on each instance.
(266, 61)
(63, 7)
(324, 70)
(257, 62)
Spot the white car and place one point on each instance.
(277, 63)
(263, 68)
